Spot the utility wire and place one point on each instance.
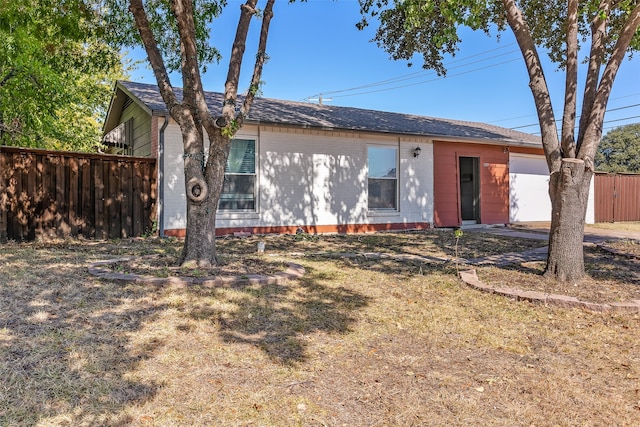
(577, 117)
(533, 115)
(607, 127)
(430, 80)
(418, 74)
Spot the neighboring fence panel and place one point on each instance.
(617, 197)
(46, 194)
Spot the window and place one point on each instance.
(239, 188)
(383, 179)
(120, 139)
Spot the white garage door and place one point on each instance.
(528, 188)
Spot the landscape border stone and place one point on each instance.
(470, 277)
(295, 271)
(614, 251)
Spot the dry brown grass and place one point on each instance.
(618, 226)
(610, 277)
(356, 341)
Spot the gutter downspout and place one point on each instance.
(161, 178)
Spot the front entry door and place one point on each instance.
(470, 190)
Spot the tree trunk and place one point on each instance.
(569, 191)
(202, 203)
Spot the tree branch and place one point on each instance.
(260, 60)
(153, 53)
(596, 55)
(593, 127)
(8, 77)
(571, 82)
(537, 83)
(247, 11)
(193, 89)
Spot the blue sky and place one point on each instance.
(314, 48)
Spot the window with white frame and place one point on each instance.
(383, 178)
(239, 188)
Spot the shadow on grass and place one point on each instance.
(276, 317)
(65, 348)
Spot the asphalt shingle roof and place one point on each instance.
(278, 112)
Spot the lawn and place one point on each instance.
(619, 226)
(357, 341)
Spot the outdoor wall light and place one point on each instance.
(416, 151)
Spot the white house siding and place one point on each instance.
(416, 181)
(314, 179)
(529, 190)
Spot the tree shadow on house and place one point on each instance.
(66, 339)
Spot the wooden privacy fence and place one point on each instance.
(617, 197)
(47, 194)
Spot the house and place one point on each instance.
(340, 169)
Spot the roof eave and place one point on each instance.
(117, 101)
(445, 138)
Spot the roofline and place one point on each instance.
(433, 137)
(135, 98)
(118, 86)
(111, 101)
(163, 112)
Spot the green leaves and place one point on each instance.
(55, 74)
(122, 30)
(619, 150)
(430, 28)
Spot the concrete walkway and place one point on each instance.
(592, 235)
(540, 231)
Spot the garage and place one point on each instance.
(528, 188)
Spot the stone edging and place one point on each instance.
(294, 271)
(471, 278)
(618, 252)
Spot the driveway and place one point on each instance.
(540, 230)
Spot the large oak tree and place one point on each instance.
(176, 35)
(604, 31)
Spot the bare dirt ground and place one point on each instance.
(357, 341)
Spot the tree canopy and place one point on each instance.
(56, 74)
(606, 30)
(619, 150)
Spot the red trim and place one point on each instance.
(312, 229)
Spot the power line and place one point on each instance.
(577, 117)
(431, 80)
(533, 115)
(607, 127)
(418, 74)
(619, 120)
(400, 79)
